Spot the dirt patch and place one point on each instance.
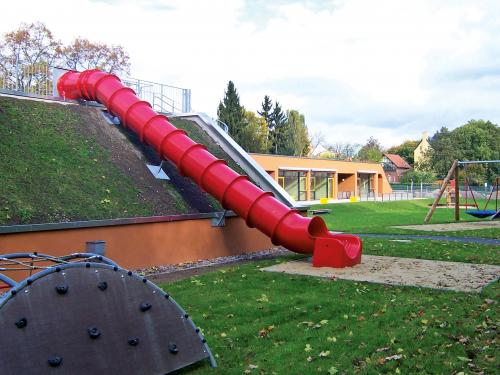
(452, 227)
(465, 277)
(179, 195)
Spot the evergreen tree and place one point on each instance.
(277, 130)
(267, 106)
(231, 112)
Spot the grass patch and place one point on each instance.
(267, 323)
(379, 217)
(435, 250)
(50, 173)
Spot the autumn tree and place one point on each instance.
(342, 150)
(296, 136)
(371, 151)
(405, 150)
(26, 54)
(254, 133)
(83, 54)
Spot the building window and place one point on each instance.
(321, 185)
(294, 183)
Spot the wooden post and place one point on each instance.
(441, 191)
(457, 196)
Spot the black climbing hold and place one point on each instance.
(58, 269)
(21, 323)
(115, 268)
(145, 306)
(133, 341)
(186, 316)
(197, 330)
(103, 285)
(13, 292)
(29, 281)
(172, 347)
(167, 296)
(62, 289)
(129, 273)
(99, 257)
(203, 341)
(55, 361)
(144, 280)
(87, 265)
(35, 253)
(94, 332)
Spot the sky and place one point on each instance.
(355, 68)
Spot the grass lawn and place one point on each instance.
(378, 217)
(267, 323)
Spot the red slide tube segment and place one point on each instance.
(260, 209)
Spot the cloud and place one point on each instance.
(355, 68)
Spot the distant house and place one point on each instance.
(394, 167)
(419, 154)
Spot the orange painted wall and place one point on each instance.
(275, 162)
(136, 246)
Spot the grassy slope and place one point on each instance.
(49, 173)
(377, 217)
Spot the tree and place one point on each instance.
(372, 150)
(343, 151)
(231, 112)
(267, 106)
(405, 150)
(418, 176)
(296, 136)
(254, 133)
(26, 54)
(83, 54)
(475, 140)
(317, 140)
(277, 130)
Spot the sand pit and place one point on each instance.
(464, 277)
(451, 227)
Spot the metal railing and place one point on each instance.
(40, 80)
(34, 79)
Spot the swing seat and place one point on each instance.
(481, 213)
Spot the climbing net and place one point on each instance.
(33, 262)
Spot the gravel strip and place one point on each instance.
(171, 268)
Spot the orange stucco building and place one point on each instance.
(311, 179)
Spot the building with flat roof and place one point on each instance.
(311, 179)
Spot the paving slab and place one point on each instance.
(451, 227)
(463, 277)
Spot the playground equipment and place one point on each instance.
(484, 213)
(83, 314)
(260, 209)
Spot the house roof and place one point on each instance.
(398, 161)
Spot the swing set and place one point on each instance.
(477, 212)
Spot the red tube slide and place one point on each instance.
(260, 209)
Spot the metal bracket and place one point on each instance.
(157, 171)
(220, 219)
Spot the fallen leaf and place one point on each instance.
(308, 348)
(324, 354)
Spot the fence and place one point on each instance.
(39, 80)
